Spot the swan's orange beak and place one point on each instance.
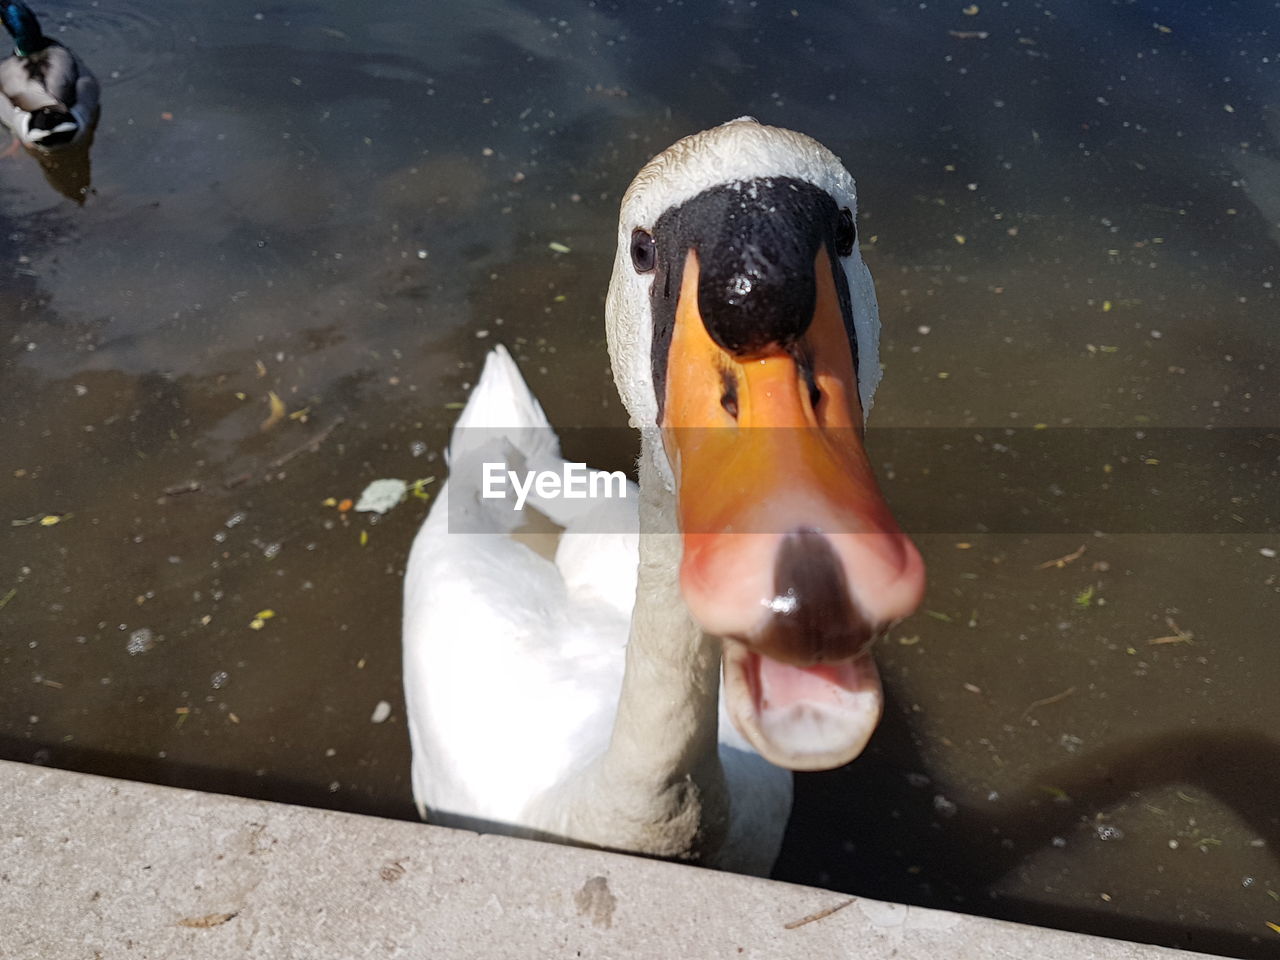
(791, 553)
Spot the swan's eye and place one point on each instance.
(846, 233)
(644, 255)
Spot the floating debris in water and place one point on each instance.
(557, 247)
(1178, 636)
(1048, 701)
(381, 496)
(43, 519)
(1107, 831)
(381, 712)
(1070, 743)
(276, 411)
(260, 621)
(140, 641)
(1060, 562)
(219, 679)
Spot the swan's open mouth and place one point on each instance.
(802, 718)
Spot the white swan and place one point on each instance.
(576, 697)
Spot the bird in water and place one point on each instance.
(48, 97)
(573, 692)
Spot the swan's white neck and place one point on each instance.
(659, 787)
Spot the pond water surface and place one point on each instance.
(1072, 212)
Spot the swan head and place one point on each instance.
(744, 337)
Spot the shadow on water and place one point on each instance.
(205, 778)
(68, 171)
(956, 857)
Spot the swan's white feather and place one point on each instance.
(513, 663)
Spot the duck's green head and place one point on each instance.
(22, 23)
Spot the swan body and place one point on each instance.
(567, 685)
(48, 97)
(550, 652)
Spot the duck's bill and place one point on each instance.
(791, 553)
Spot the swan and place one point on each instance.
(575, 695)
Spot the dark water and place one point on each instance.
(1072, 212)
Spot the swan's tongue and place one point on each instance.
(802, 718)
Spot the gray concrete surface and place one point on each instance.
(98, 868)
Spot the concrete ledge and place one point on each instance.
(98, 868)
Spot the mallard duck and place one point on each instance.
(576, 695)
(48, 97)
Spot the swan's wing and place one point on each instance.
(501, 404)
(509, 683)
(598, 555)
(511, 671)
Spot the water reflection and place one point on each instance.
(67, 171)
(345, 206)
